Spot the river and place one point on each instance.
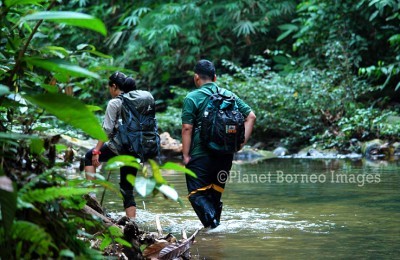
(290, 209)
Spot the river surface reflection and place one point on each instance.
(290, 209)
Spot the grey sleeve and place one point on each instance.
(113, 111)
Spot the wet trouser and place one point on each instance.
(205, 191)
(126, 187)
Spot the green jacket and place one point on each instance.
(194, 105)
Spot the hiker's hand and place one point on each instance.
(95, 160)
(186, 159)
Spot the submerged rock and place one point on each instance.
(396, 149)
(251, 155)
(375, 149)
(281, 151)
(316, 152)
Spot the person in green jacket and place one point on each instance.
(205, 191)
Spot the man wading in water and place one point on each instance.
(205, 191)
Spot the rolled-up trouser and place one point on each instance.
(126, 187)
(205, 191)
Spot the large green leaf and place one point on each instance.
(144, 186)
(10, 3)
(61, 66)
(177, 167)
(53, 193)
(122, 160)
(70, 110)
(169, 192)
(37, 146)
(157, 173)
(70, 18)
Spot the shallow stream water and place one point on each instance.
(290, 209)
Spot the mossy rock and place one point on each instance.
(315, 151)
(375, 148)
(396, 148)
(250, 155)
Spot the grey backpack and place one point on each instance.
(138, 132)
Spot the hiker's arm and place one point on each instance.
(248, 126)
(111, 117)
(186, 141)
(95, 157)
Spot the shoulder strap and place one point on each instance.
(129, 107)
(120, 97)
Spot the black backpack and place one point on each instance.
(138, 132)
(222, 125)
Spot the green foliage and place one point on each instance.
(146, 184)
(369, 123)
(352, 36)
(313, 71)
(71, 111)
(292, 109)
(163, 40)
(40, 203)
(49, 194)
(112, 235)
(69, 18)
(41, 213)
(27, 232)
(170, 121)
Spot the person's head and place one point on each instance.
(129, 85)
(115, 83)
(204, 72)
(117, 78)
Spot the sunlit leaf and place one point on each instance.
(122, 160)
(177, 167)
(123, 242)
(105, 243)
(144, 186)
(52, 193)
(169, 192)
(70, 18)
(115, 231)
(131, 179)
(37, 146)
(70, 110)
(157, 173)
(10, 3)
(94, 108)
(61, 66)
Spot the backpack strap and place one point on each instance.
(130, 107)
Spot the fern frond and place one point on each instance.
(244, 28)
(53, 193)
(40, 241)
